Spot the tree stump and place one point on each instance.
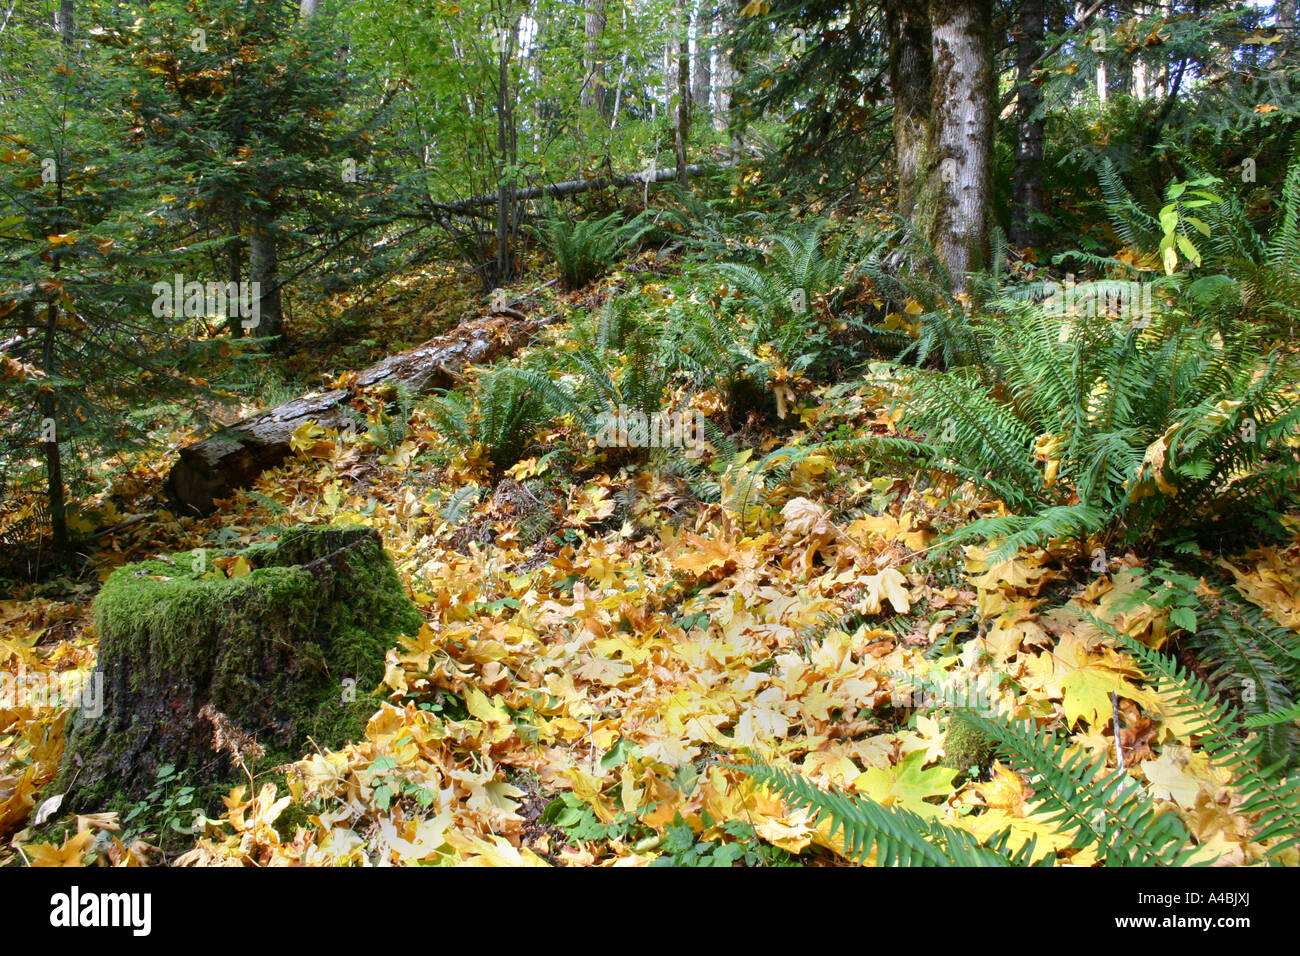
(286, 653)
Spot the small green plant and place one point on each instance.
(392, 785)
(170, 809)
(1174, 220)
(678, 846)
(579, 822)
(742, 847)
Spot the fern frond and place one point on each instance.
(896, 836)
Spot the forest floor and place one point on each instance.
(595, 662)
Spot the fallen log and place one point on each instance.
(233, 458)
(464, 207)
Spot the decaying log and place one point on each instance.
(573, 187)
(233, 458)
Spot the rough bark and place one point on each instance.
(725, 76)
(682, 120)
(235, 273)
(954, 217)
(284, 656)
(264, 269)
(1027, 194)
(67, 27)
(1057, 17)
(233, 458)
(54, 494)
(908, 26)
(506, 157)
(595, 95)
(702, 84)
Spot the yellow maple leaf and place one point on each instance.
(890, 585)
(803, 516)
(1006, 791)
(1171, 779)
(706, 554)
(72, 852)
(399, 459)
(1087, 692)
(493, 712)
(306, 436)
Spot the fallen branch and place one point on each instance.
(572, 187)
(234, 457)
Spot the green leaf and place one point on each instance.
(908, 784)
(1189, 250)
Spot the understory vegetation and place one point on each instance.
(792, 534)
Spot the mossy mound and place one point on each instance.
(966, 748)
(287, 652)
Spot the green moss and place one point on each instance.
(288, 652)
(966, 749)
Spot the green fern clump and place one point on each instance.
(802, 268)
(1093, 426)
(1268, 795)
(768, 333)
(1257, 661)
(705, 228)
(906, 271)
(610, 366)
(500, 414)
(584, 249)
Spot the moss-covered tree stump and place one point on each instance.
(287, 652)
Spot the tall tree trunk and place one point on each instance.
(595, 95)
(954, 215)
(49, 403)
(725, 76)
(1098, 32)
(1141, 87)
(682, 119)
(1162, 72)
(702, 87)
(234, 274)
(264, 269)
(505, 266)
(67, 30)
(50, 427)
(1028, 188)
(908, 26)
